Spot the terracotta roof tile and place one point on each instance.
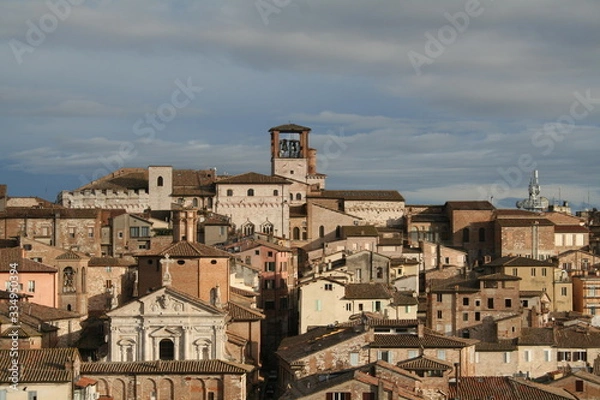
(185, 249)
(40, 312)
(290, 128)
(427, 341)
(359, 230)
(70, 255)
(469, 205)
(523, 222)
(112, 261)
(355, 195)
(513, 261)
(254, 178)
(423, 363)
(500, 345)
(536, 337)
(366, 291)
(39, 365)
(570, 229)
(237, 312)
(504, 388)
(15, 255)
(165, 367)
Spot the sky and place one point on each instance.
(439, 100)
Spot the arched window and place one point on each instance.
(229, 192)
(466, 235)
(68, 280)
(267, 228)
(296, 233)
(291, 196)
(166, 349)
(195, 202)
(248, 229)
(298, 196)
(321, 231)
(482, 234)
(275, 192)
(250, 192)
(159, 181)
(338, 231)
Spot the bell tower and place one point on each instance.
(290, 155)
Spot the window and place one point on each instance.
(579, 356)
(328, 286)
(318, 305)
(439, 297)
(477, 316)
(477, 303)
(515, 272)
(563, 356)
(120, 234)
(338, 396)
(439, 314)
(527, 356)
(134, 231)
(160, 181)
(90, 232)
(578, 385)
(506, 357)
(490, 304)
(248, 229)
(368, 396)
(465, 316)
(525, 303)
(296, 233)
(547, 355)
(250, 192)
(354, 358)
(377, 306)
(270, 266)
(379, 272)
(71, 232)
(298, 196)
(482, 234)
(211, 396)
(338, 231)
(31, 286)
(384, 355)
(465, 301)
(543, 271)
(321, 231)
(441, 354)
(269, 305)
(269, 284)
(532, 271)
(291, 196)
(68, 280)
(195, 202)
(32, 395)
(166, 349)
(563, 291)
(229, 192)
(465, 234)
(145, 231)
(360, 307)
(275, 192)
(283, 303)
(348, 306)
(507, 303)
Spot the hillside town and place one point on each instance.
(162, 283)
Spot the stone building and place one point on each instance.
(458, 306)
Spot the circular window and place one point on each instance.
(180, 262)
(213, 261)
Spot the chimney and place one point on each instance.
(420, 329)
